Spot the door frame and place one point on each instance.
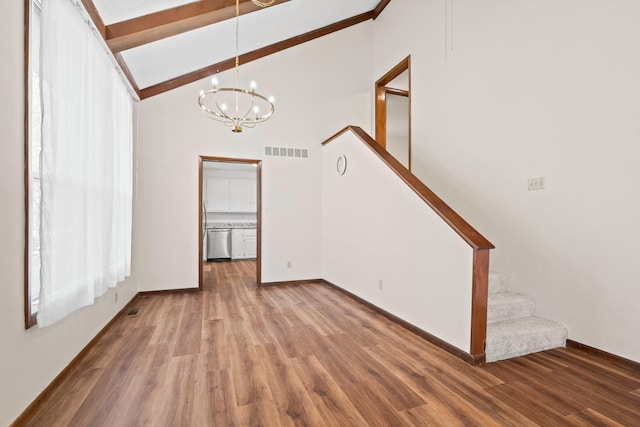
(381, 91)
(258, 164)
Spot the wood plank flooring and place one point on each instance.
(307, 355)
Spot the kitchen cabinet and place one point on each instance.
(231, 195)
(244, 243)
(217, 194)
(242, 195)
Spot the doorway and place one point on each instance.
(229, 200)
(393, 112)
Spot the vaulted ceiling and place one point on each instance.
(164, 44)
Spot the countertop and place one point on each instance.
(233, 224)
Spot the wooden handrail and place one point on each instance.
(480, 245)
(455, 221)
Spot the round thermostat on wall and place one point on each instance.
(341, 164)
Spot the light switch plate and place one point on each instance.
(536, 183)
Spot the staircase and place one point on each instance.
(512, 329)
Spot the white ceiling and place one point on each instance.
(166, 59)
(112, 11)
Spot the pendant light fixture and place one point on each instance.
(237, 108)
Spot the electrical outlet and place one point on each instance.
(536, 183)
(380, 284)
(289, 264)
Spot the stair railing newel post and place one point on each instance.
(479, 301)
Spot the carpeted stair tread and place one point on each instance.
(517, 337)
(509, 305)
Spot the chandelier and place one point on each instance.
(233, 106)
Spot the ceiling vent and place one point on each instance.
(298, 153)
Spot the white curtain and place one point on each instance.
(86, 166)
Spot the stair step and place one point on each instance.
(498, 282)
(509, 305)
(517, 337)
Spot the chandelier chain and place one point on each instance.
(237, 53)
(237, 32)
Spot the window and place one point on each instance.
(78, 168)
(33, 16)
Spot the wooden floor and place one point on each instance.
(235, 355)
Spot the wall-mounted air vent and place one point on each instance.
(298, 153)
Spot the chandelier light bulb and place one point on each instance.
(272, 99)
(223, 107)
(201, 92)
(256, 109)
(253, 85)
(214, 82)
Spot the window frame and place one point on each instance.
(30, 318)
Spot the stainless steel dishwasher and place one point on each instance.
(219, 244)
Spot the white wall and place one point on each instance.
(320, 87)
(545, 88)
(376, 228)
(29, 360)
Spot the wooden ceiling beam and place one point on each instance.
(95, 16)
(127, 72)
(170, 22)
(380, 7)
